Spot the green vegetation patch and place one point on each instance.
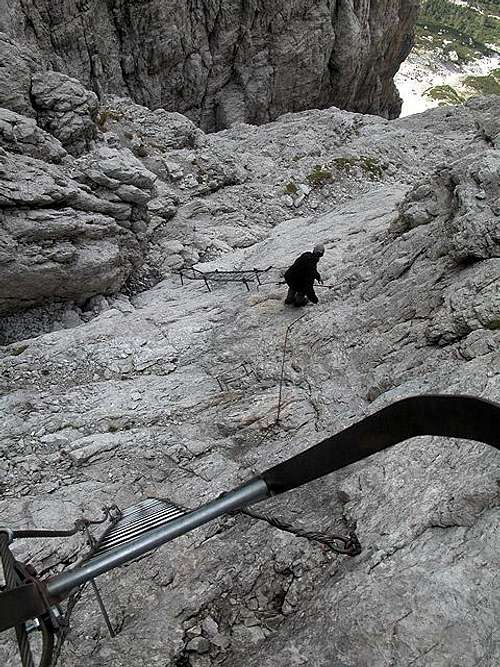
(485, 85)
(106, 115)
(493, 325)
(445, 95)
(345, 163)
(368, 164)
(291, 188)
(456, 29)
(372, 166)
(320, 175)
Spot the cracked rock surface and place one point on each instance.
(109, 398)
(69, 233)
(220, 63)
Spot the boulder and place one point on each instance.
(65, 109)
(61, 239)
(21, 134)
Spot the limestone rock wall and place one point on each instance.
(222, 62)
(145, 399)
(111, 393)
(161, 194)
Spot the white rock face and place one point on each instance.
(129, 396)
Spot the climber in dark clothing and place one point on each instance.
(301, 275)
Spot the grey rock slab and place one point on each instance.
(124, 167)
(85, 449)
(380, 613)
(19, 63)
(19, 134)
(154, 129)
(159, 375)
(65, 256)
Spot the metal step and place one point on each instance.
(134, 521)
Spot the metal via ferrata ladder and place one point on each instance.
(243, 276)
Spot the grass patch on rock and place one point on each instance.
(106, 115)
(370, 165)
(485, 85)
(320, 175)
(445, 95)
(291, 188)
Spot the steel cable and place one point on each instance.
(351, 547)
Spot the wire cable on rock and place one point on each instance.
(352, 546)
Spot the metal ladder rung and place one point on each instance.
(135, 521)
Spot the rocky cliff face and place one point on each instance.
(69, 228)
(112, 398)
(218, 62)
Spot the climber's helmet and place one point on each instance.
(319, 250)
